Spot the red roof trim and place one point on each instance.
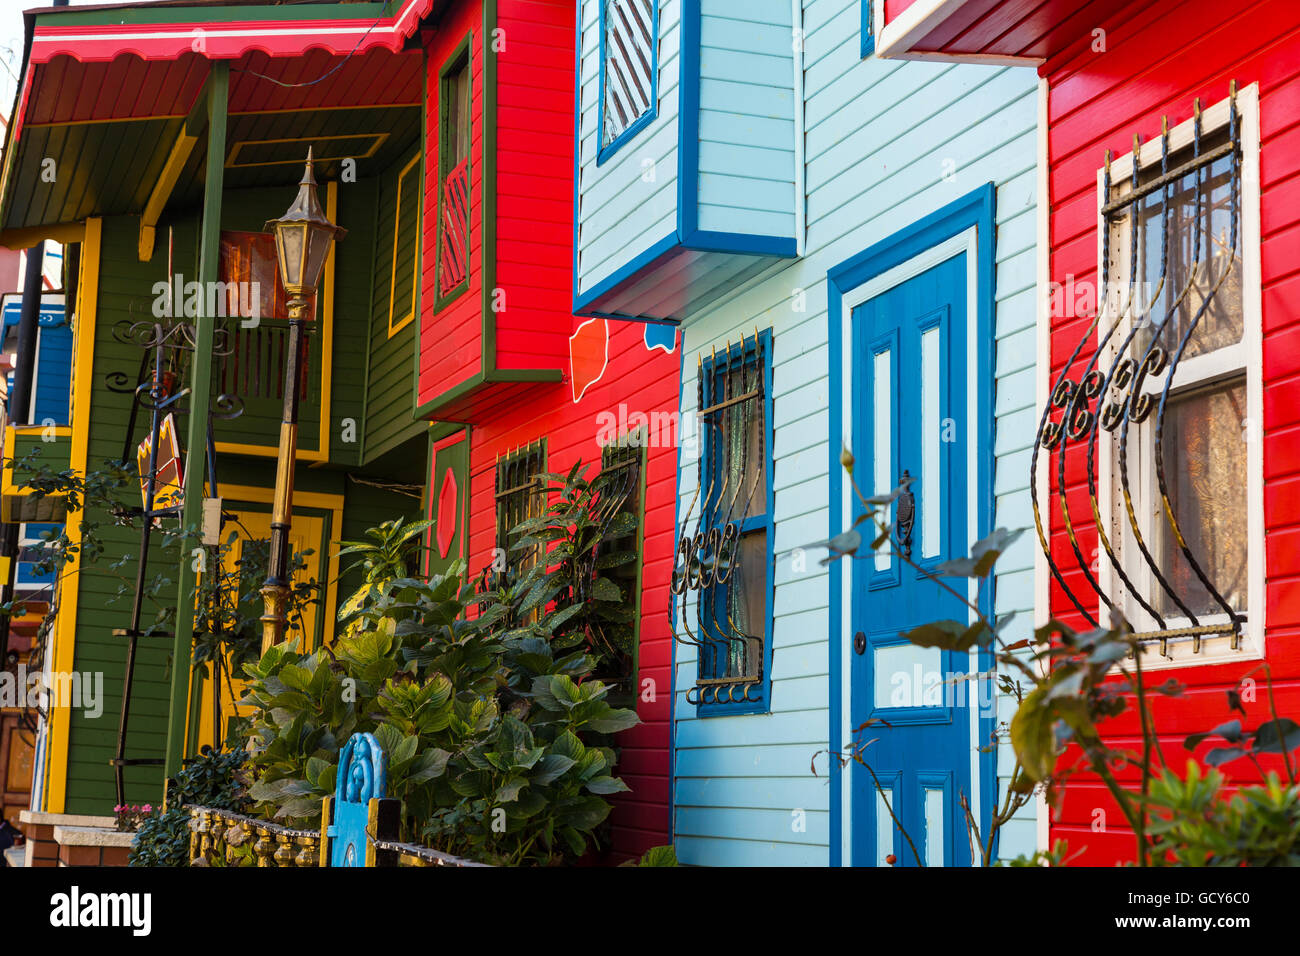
(226, 41)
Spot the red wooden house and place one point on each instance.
(1170, 147)
(516, 385)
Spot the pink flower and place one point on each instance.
(147, 808)
(119, 808)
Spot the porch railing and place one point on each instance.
(224, 838)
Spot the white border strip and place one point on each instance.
(1042, 388)
(967, 242)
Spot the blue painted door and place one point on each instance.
(911, 419)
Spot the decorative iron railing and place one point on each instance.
(453, 256)
(731, 484)
(1170, 263)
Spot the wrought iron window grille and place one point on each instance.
(730, 496)
(1121, 381)
(520, 495)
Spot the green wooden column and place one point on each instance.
(197, 421)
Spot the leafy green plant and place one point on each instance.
(1066, 684)
(483, 698)
(211, 779)
(656, 856)
(387, 556)
(1195, 824)
(584, 531)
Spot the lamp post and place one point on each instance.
(303, 237)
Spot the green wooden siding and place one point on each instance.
(354, 282)
(389, 413)
(368, 507)
(125, 293)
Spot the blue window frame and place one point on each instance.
(736, 530)
(628, 97)
(868, 27)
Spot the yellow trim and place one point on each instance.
(38, 429)
(322, 452)
(65, 634)
(415, 279)
(265, 451)
(233, 155)
(162, 190)
(307, 499)
(64, 233)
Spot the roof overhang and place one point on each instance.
(221, 31)
(137, 75)
(999, 32)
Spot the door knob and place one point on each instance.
(860, 642)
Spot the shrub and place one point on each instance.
(212, 779)
(496, 731)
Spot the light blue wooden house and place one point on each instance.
(849, 245)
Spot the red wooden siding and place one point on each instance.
(895, 8)
(1158, 61)
(452, 338)
(535, 183)
(646, 382)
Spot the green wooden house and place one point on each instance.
(154, 142)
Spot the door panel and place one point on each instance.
(446, 506)
(911, 420)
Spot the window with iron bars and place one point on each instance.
(622, 471)
(520, 495)
(1181, 544)
(728, 563)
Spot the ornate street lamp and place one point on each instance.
(303, 237)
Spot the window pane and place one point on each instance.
(458, 94)
(742, 490)
(245, 258)
(1197, 254)
(747, 607)
(1205, 468)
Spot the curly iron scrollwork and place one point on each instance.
(1140, 354)
(708, 562)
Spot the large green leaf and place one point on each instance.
(1032, 737)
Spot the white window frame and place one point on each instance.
(1193, 373)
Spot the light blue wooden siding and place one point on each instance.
(1015, 425)
(746, 117)
(624, 205)
(887, 143)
